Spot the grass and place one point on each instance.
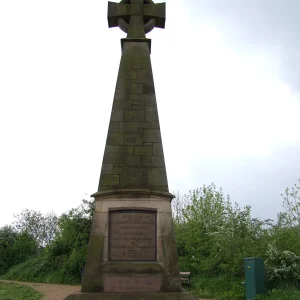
(221, 288)
(39, 270)
(281, 294)
(13, 291)
(225, 288)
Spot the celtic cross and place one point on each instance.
(136, 17)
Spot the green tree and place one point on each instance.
(68, 250)
(15, 247)
(291, 203)
(214, 236)
(204, 215)
(42, 227)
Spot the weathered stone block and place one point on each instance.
(91, 284)
(164, 224)
(112, 158)
(171, 284)
(98, 206)
(146, 62)
(147, 99)
(105, 248)
(133, 139)
(172, 268)
(115, 139)
(105, 187)
(158, 149)
(151, 113)
(116, 115)
(118, 170)
(107, 169)
(127, 149)
(157, 177)
(169, 247)
(145, 74)
(133, 181)
(134, 115)
(131, 50)
(139, 171)
(138, 63)
(100, 224)
(112, 149)
(142, 102)
(133, 127)
(160, 188)
(123, 83)
(143, 150)
(152, 136)
(109, 179)
(114, 127)
(148, 88)
(184, 295)
(133, 97)
(136, 88)
(150, 125)
(121, 104)
(132, 160)
(95, 250)
(131, 74)
(153, 161)
(125, 64)
(92, 268)
(120, 94)
(131, 267)
(134, 103)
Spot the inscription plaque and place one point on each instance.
(132, 235)
(130, 284)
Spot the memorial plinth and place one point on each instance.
(132, 251)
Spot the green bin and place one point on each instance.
(254, 277)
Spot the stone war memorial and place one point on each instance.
(132, 251)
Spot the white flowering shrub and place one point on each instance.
(282, 267)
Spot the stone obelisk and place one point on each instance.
(131, 251)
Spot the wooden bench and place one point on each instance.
(185, 278)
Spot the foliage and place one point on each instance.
(62, 259)
(214, 236)
(231, 288)
(42, 227)
(282, 267)
(219, 287)
(12, 291)
(283, 293)
(15, 247)
(38, 269)
(291, 203)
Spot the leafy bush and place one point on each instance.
(62, 259)
(282, 267)
(214, 236)
(220, 287)
(15, 247)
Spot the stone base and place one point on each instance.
(185, 295)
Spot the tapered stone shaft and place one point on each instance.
(133, 156)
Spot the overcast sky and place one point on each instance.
(227, 84)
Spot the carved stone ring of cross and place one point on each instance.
(136, 17)
(123, 24)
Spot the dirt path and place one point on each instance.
(54, 291)
(49, 290)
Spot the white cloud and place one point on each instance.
(59, 64)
